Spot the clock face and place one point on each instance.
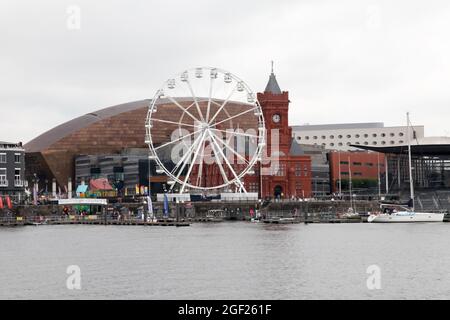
(276, 118)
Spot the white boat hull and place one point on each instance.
(407, 217)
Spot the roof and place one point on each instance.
(272, 85)
(100, 184)
(50, 137)
(367, 125)
(428, 146)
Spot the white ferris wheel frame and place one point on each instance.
(199, 142)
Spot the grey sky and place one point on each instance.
(341, 61)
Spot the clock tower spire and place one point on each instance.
(275, 106)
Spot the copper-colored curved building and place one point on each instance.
(51, 155)
(107, 131)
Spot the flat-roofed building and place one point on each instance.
(343, 136)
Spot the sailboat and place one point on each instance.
(405, 213)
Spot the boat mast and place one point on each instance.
(411, 182)
(350, 183)
(339, 170)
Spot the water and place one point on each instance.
(226, 261)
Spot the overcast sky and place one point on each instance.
(341, 61)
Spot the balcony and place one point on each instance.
(18, 183)
(3, 183)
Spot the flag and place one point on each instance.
(166, 205)
(8, 202)
(35, 194)
(1, 203)
(150, 206)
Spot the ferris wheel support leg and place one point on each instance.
(202, 140)
(183, 160)
(219, 163)
(238, 181)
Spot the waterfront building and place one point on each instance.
(343, 136)
(12, 170)
(430, 164)
(127, 172)
(288, 175)
(320, 167)
(367, 170)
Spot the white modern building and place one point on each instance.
(341, 136)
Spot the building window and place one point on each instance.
(366, 135)
(340, 144)
(17, 178)
(383, 135)
(344, 162)
(348, 143)
(331, 137)
(366, 143)
(17, 158)
(315, 137)
(357, 136)
(392, 134)
(305, 170)
(279, 170)
(357, 163)
(369, 164)
(374, 135)
(299, 138)
(3, 180)
(383, 142)
(307, 137)
(340, 136)
(401, 134)
(401, 141)
(253, 187)
(392, 142)
(2, 157)
(344, 173)
(323, 137)
(374, 143)
(298, 170)
(357, 174)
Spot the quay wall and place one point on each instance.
(230, 210)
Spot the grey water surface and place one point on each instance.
(229, 260)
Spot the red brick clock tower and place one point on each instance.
(289, 173)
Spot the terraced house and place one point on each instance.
(12, 170)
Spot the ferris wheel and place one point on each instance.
(205, 130)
